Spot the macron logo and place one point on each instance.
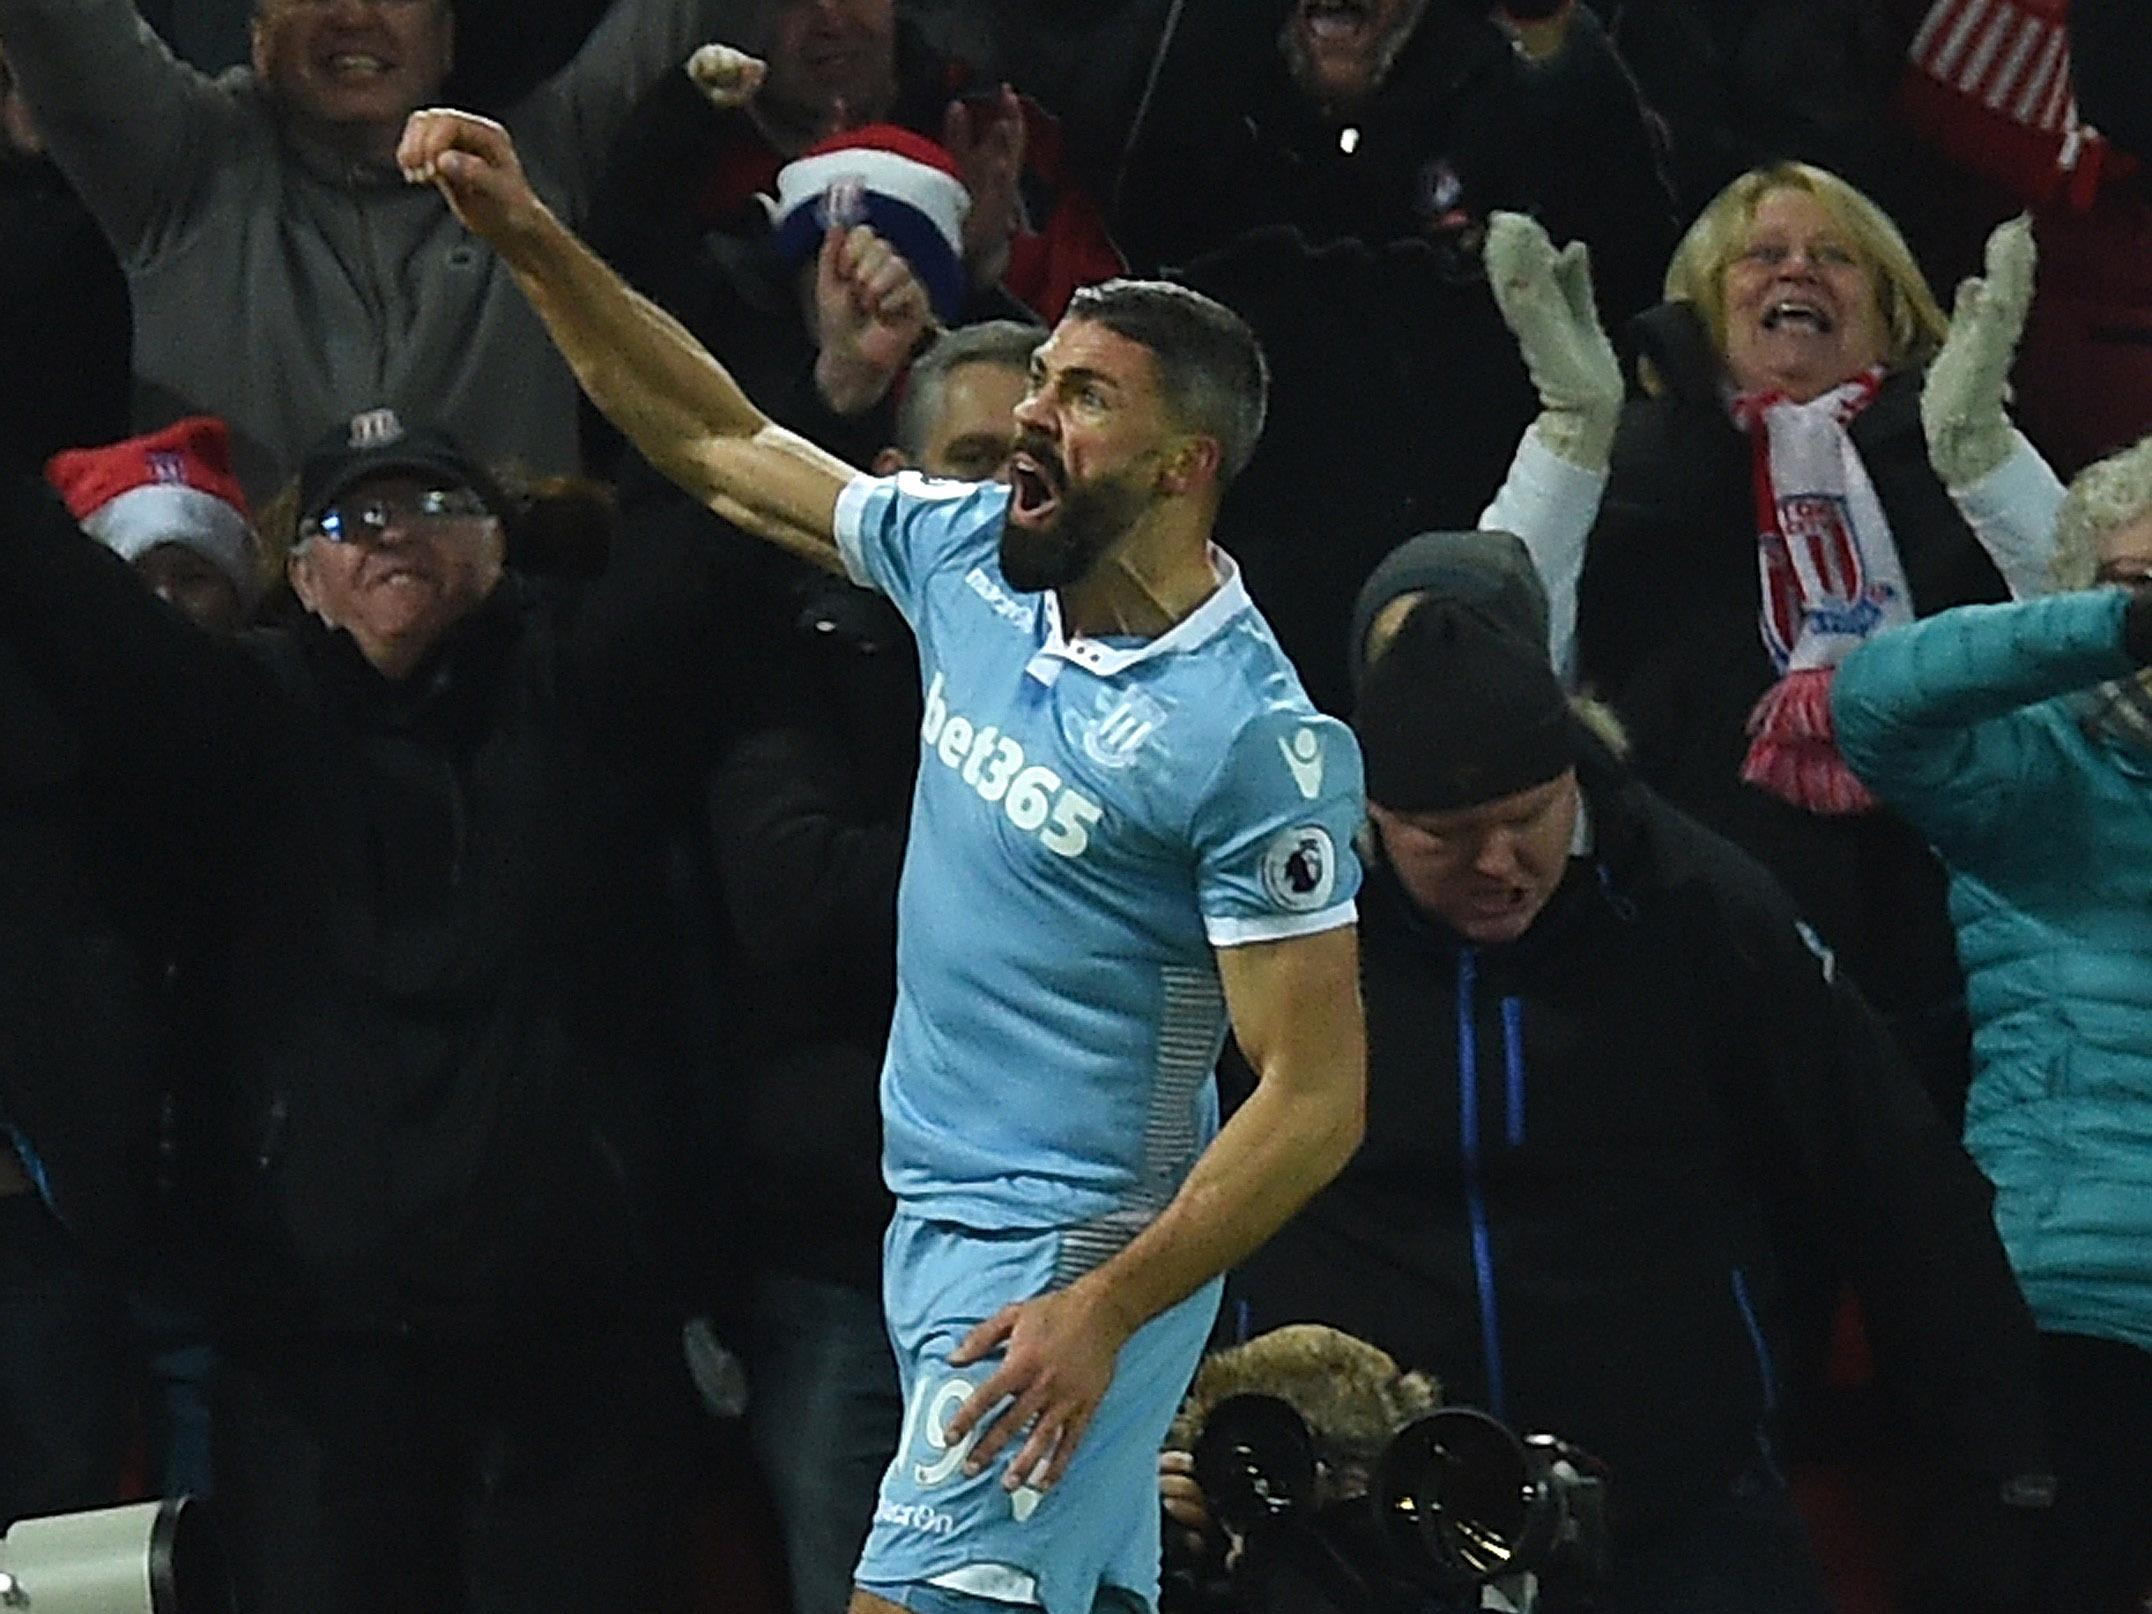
(1304, 757)
(1004, 607)
(915, 1516)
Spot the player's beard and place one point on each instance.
(1091, 518)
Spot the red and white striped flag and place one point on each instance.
(1990, 85)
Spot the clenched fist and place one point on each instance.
(473, 162)
(872, 314)
(728, 78)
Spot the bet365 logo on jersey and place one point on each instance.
(1030, 793)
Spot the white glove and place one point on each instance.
(728, 78)
(1961, 401)
(1546, 300)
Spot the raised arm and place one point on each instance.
(1915, 708)
(568, 123)
(171, 713)
(1551, 496)
(2000, 484)
(132, 128)
(642, 216)
(652, 378)
(1295, 1006)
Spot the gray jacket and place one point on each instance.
(285, 295)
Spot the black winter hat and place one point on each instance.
(1459, 710)
(1489, 569)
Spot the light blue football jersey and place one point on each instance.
(1092, 818)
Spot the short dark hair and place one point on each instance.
(1006, 342)
(1210, 366)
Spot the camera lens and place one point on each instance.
(1455, 1494)
(1255, 1461)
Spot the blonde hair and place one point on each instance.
(2103, 498)
(1913, 322)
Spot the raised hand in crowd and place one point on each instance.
(2003, 487)
(1547, 301)
(731, 81)
(985, 134)
(1552, 492)
(1962, 402)
(728, 78)
(873, 315)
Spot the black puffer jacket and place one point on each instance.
(1667, 632)
(1594, 1156)
(451, 1045)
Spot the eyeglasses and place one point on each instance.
(1771, 255)
(364, 520)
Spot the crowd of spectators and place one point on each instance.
(447, 914)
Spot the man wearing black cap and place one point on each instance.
(399, 540)
(428, 813)
(1617, 1102)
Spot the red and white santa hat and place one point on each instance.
(173, 486)
(902, 184)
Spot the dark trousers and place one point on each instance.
(823, 1409)
(2099, 1410)
(71, 1385)
(543, 1471)
(89, 1367)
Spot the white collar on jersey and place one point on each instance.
(1227, 601)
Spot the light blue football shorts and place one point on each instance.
(936, 1529)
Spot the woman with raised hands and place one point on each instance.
(1810, 454)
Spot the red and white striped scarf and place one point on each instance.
(1830, 578)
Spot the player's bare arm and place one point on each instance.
(1295, 1007)
(640, 366)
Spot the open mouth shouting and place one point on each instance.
(1799, 314)
(1337, 23)
(1340, 50)
(1037, 480)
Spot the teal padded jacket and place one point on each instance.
(1967, 725)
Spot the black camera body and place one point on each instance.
(1459, 1514)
